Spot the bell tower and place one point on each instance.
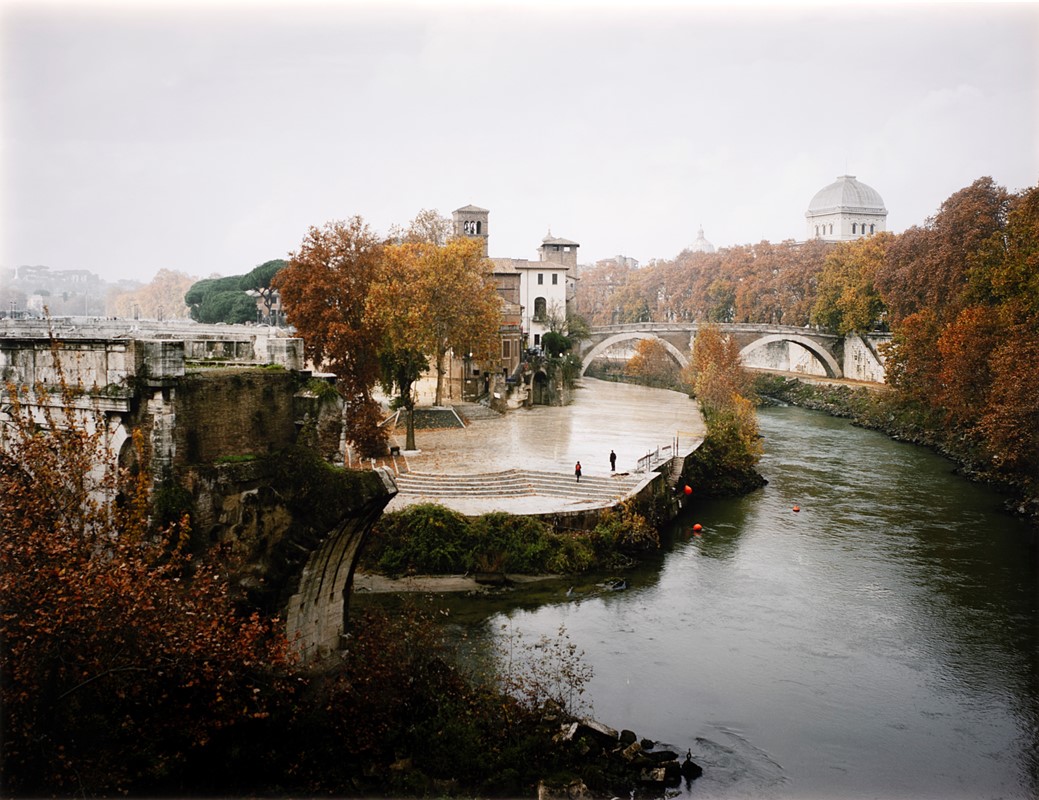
(471, 222)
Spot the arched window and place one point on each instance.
(540, 308)
(816, 230)
(831, 229)
(871, 229)
(853, 228)
(478, 226)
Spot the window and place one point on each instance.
(555, 279)
(537, 339)
(831, 229)
(540, 307)
(853, 227)
(871, 229)
(816, 230)
(541, 278)
(506, 349)
(478, 226)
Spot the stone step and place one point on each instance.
(517, 483)
(605, 485)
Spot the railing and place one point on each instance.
(654, 458)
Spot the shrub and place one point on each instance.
(425, 538)
(521, 544)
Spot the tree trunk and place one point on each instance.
(440, 379)
(409, 439)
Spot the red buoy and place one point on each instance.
(797, 508)
(688, 489)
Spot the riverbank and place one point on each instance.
(372, 583)
(878, 408)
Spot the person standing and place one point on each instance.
(613, 461)
(577, 471)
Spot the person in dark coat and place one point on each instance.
(613, 461)
(577, 471)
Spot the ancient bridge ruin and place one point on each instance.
(231, 420)
(780, 347)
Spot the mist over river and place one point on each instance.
(880, 643)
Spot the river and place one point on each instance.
(879, 643)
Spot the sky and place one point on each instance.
(208, 137)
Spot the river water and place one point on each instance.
(880, 643)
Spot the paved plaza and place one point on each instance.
(631, 420)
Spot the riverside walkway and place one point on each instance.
(523, 462)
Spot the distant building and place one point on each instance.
(627, 262)
(846, 209)
(701, 245)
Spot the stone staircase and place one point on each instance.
(520, 483)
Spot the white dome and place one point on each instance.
(701, 245)
(847, 194)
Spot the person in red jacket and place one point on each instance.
(577, 471)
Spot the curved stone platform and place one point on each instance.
(516, 491)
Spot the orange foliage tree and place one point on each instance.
(122, 657)
(726, 461)
(162, 298)
(460, 306)
(652, 365)
(324, 290)
(847, 298)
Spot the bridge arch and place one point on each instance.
(627, 336)
(833, 369)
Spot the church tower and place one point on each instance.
(471, 222)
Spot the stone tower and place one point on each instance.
(560, 251)
(471, 222)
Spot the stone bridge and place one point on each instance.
(230, 418)
(801, 349)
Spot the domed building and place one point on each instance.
(846, 209)
(701, 245)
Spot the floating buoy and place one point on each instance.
(697, 527)
(688, 489)
(797, 508)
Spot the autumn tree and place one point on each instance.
(652, 365)
(123, 657)
(162, 298)
(847, 299)
(725, 463)
(462, 308)
(428, 227)
(928, 268)
(398, 304)
(325, 290)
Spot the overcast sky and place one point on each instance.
(208, 137)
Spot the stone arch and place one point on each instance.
(120, 441)
(833, 369)
(617, 338)
(540, 393)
